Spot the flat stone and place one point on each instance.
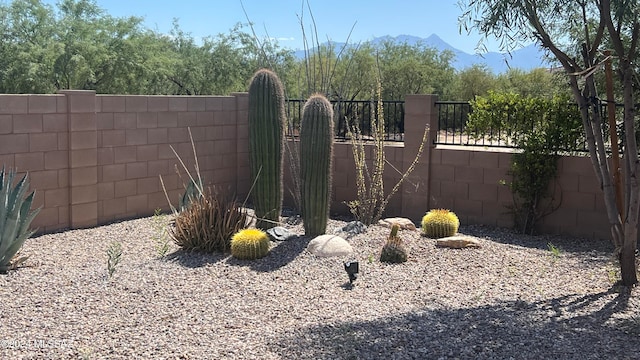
(405, 224)
(279, 233)
(458, 242)
(329, 246)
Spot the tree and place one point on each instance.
(356, 75)
(27, 47)
(95, 51)
(77, 45)
(600, 21)
(473, 81)
(413, 69)
(539, 82)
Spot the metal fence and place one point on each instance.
(356, 113)
(452, 128)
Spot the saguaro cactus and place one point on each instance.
(266, 142)
(316, 154)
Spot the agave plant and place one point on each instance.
(15, 217)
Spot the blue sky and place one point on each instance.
(280, 18)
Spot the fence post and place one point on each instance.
(83, 158)
(420, 116)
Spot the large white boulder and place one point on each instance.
(329, 245)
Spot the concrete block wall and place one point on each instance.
(345, 180)
(94, 159)
(136, 135)
(34, 138)
(582, 211)
(469, 181)
(470, 184)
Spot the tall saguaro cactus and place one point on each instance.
(266, 142)
(316, 154)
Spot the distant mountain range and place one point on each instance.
(526, 58)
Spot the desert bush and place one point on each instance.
(372, 200)
(208, 223)
(542, 128)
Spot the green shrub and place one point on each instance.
(15, 217)
(250, 244)
(439, 223)
(541, 127)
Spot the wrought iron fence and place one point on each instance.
(452, 128)
(357, 113)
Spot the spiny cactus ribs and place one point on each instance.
(250, 244)
(316, 154)
(439, 223)
(393, 251)
(266, 143)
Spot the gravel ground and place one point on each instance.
(510, 299)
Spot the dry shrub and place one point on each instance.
(208, 223)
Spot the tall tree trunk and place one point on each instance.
(627, 251)
(627, 254)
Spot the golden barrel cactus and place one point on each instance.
(250, 244)
(439, 223)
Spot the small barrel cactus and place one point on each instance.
(439, 223)
(393, 251)
(266, 143)
(316, 153)
(250, 244)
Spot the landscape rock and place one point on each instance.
(354, 228)
(293, 220)
(329, 245)
(458, 242)
(279, 233)
(405, 224)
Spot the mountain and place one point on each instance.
(526, 58)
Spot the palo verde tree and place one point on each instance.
(27, 47)
(601, 22)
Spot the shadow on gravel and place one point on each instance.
(280, 255)
(194, 259)
(565, 243)
(569, 327)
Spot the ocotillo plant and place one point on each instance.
(316, 154)
(266, 141)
